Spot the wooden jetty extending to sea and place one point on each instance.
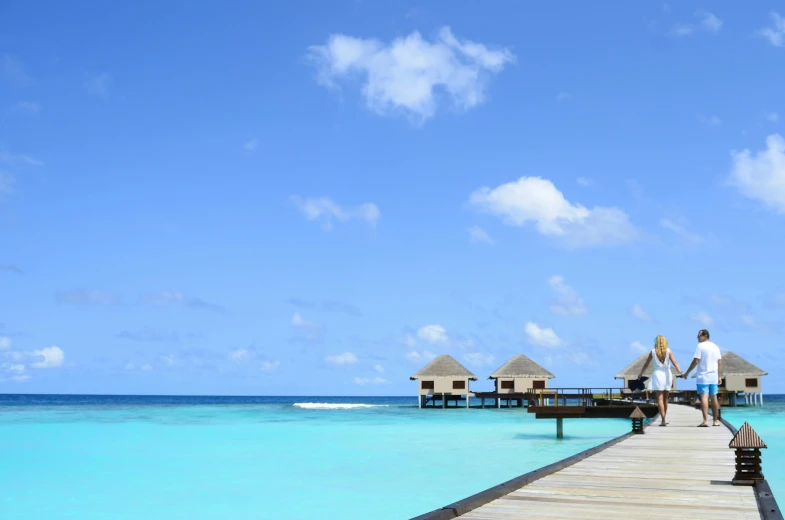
(671, 473)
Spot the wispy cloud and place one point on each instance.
(369, 381)
(638, 347)
(775, 34)
(81, 297)
(703, 318)
(478, 359)
(98, 84)
(567, 303)
(415, 356)
(149, 336)
(11, 70)
(52, 357)
(583, 181)
(706, 22)
(251, 145)
(328, 211)
(10, 268)
(28, 108)
(709, 120)
(12, 159)
(562, 96)
(686, 236)
(345, 308)
(347, 358)
(407, 75)
(477, 235)
(7, 182)
(637, 311)
(771, 116)
(269, 366)
(165, 298)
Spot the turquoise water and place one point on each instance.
(92, 458)
(769, 422)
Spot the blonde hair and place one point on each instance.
(661, 347)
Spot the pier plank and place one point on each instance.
(676, 472)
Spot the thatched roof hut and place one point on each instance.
(633, 370)
(521, 366)
(444, 366)
(735, 365)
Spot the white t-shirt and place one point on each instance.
(709, 355)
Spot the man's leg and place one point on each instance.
(715, 405)
(704, 396)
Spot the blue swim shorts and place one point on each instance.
(707, 389)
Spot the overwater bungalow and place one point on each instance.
(633, 370)
(520, 374)
(739, 376)
(443, 379)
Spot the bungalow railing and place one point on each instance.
(574, 396)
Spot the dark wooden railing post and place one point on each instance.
(747, 444)
(637, 417)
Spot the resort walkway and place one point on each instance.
(676, 472)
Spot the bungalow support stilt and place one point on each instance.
(559, 428)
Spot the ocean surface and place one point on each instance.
(127, 457)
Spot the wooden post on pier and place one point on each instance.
(559, 428)
(747, 444)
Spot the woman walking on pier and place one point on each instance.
(661, 380)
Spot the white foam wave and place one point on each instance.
(335, 406)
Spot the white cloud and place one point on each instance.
(543, 337)
(301, 323)
(409, 341)
(367, 381)
(411, 75)
(638, 312)
(433, 334)
(568, 302)
(16, 371)
(168, 360)
(762, 176)
(534, 199)
(685, 235)
(709, 120)
(749, 321)
(53, 357)
(478, 235)
(772, 116)
(325, 209)
(86, 298)
(11, 69)
(129, 366)
(5, 343)
(13, 159)
(146, 367)
(703, 318)
(416, 356)
(379, 368)
(347, 358)
(98, 84)
(479, 360)
(775, 34)
(638, 347)
(269, 366)
(29, 108)
(240, 355)
(707, 22)
(251, 145)
(177, 297)
(583, 181)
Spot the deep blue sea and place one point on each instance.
(132, 457)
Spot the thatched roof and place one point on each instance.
(735, 365)
(521, 366)
(444, 366)
(634, 368)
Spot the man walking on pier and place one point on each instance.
(709, 376)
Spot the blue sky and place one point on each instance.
(310, 198)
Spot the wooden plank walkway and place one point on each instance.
(675, 472)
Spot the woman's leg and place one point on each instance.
(665, 396)
(661, 406)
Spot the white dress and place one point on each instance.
(661, 377)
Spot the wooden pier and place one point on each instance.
(669, 473)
